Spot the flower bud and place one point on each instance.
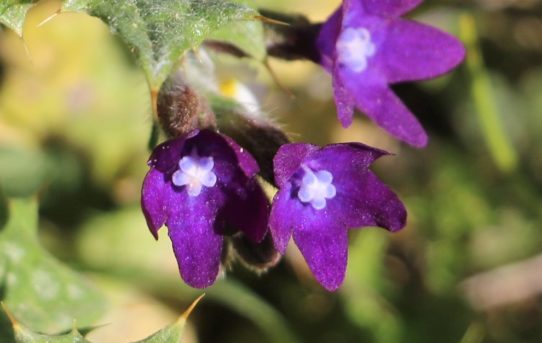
(254, 133)
(181, 109)
(256, 256)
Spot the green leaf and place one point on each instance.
(22, 334)
(41, 292)
(152, 267)
(23, 171)
(3, 210)
(173, 332)
(160, 32)
(13, 14)
(246, 35)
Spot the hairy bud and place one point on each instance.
(255, 133)
(257, 256)
(181, 109)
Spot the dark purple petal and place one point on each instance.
(379, 103)
(166, 155)
(194, 234)
(282, 219)
(288, 160)
(154, 200)
(344, 102)
(328, 37)
(248, 211)
(197, 249)
(362, 200)
(325, 249)
(387, 8)
(414, 51)
(247, 163)
(344, 157)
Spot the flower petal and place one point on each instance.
(325, 248)
(379, 103)
(343, 101)
(284, 211)
(154, 200)
(360, 198)
(197, 244)
(414, 51)
(387, 8)
(165, 156)
(327, 38)
(247, 163)
(197, 249)
(288, 160)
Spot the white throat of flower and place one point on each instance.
(316, 187)
(195, 172)
(354, 47)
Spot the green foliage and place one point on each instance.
(152, 266)
(160, 32)
(13, 14)
(173, 332)
(41, 292)
(22, 334)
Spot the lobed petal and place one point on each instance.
(194, 233)
(344, 101)
(247, 163)
(374, 98)
(414, 51)
(387, 8)
(327, 38)
(282, 220)
(325, 248)
(165, 157)
(288, 160)
(154, 200)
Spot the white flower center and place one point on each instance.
(195, 172)
(316, 188)
(354, 47)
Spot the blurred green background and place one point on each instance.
(74, 126)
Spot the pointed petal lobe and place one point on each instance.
(325, 248)
(414, 51)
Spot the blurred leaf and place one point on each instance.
(246, 35)
(498, 142)
(160, 32)
(25, 335)
(364, 289)
(3, 210)
(22, 171)
(152, 267)
(13, 14)
(41, 292)
(172, 333)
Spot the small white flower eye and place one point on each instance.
(354, 47)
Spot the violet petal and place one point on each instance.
(387, 8)
(414, 51)
(325, 248)
(288, 159)
(154, 200)
(196, 242)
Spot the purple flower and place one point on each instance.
(202, 186)
(322, 193)
(366, 46)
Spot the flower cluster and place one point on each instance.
(203, 185)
